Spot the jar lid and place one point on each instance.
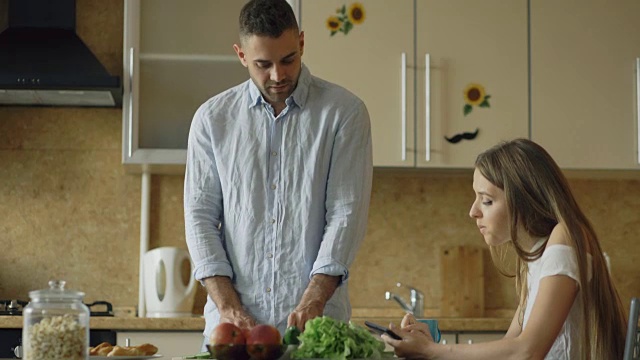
(56, 290)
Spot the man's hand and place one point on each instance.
(304, 312)
(318, 292)
(240, 318)
(223, 294)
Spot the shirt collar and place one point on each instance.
(298, 97)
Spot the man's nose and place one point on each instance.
(277, 73)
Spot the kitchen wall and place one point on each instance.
(69, 210)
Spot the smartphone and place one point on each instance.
(379, 329)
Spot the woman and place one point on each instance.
(569, 307)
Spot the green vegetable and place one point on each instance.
(202, 355)
(291, 336)
(327, 338)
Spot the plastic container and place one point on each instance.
(56, 324)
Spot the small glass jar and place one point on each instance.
(56, 324)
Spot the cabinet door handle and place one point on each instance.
(131, 97)
(638, 102)
(403, 103)
(427, 106)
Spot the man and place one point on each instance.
(277, 184)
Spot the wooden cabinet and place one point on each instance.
(411, 60)
(176, 55)
(170, 343)
(584, 82)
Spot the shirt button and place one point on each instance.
(270, 255)
(273, 221)
(273, 153)
(268, 290)
(273, 187)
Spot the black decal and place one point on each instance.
(463, 136)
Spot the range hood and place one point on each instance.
(43, 62)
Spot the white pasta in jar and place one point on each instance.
(56, 324)
(55, 338)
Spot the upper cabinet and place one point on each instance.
(471, 78)
(372, 57)
(443, 80)
(584, 82)
(177, 54)
(428, 71)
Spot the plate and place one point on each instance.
(125, 357)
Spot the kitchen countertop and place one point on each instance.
(197, 323)
(125, 323)
(452, 324)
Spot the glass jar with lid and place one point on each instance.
(56, 324)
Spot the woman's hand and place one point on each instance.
(416, 339)
(407, 320)
(410, 323)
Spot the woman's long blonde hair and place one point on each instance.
(538, 198)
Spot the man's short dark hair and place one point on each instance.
(267, 18)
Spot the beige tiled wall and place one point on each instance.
(68, 209)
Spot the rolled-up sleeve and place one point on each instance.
(203, 201)
(347, 195)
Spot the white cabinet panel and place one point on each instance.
(170, 343)
(448, 338)
(584, 82)
(177, 54)
(474, 338)
(383, 61)
(459, 43)
(368, 61)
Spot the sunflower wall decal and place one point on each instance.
(475, 95)
(346, 18)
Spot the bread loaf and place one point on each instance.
(147, 349)
(124, 351)
(106, 349)
(101, 350)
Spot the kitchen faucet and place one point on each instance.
(417, 300)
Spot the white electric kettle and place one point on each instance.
(169, 286)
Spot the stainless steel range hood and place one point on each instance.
(44, 62)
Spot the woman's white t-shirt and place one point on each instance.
(559, 260)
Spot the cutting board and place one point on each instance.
(462, 281)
